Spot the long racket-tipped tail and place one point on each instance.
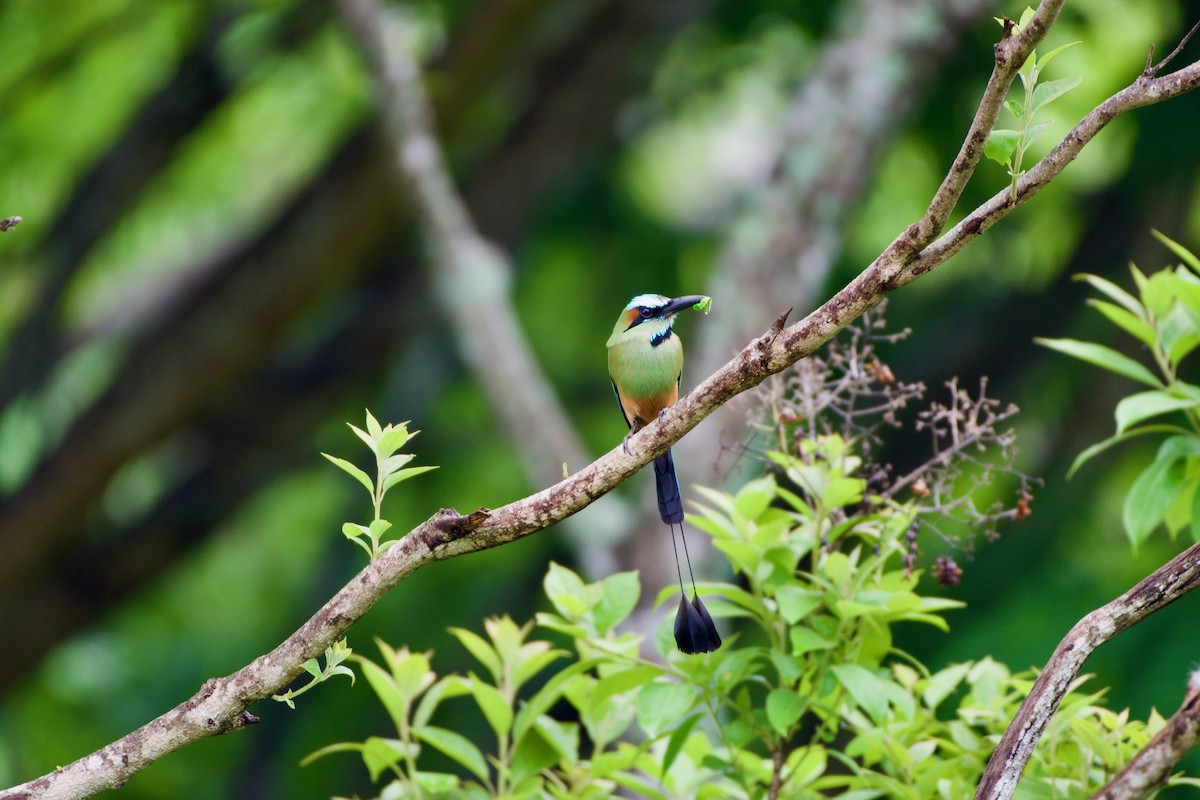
(694, 628)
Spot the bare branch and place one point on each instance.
(1163, 586)
(1150, 768)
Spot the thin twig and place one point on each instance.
(1157, 68)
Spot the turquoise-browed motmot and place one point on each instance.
(645, 361)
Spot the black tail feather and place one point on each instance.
(670, 504)
(694, 628)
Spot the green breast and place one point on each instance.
(642, 370)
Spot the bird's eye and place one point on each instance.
(646, 312)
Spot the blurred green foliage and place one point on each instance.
(642, 212)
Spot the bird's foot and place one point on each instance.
(628, 436)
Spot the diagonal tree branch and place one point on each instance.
(1164, 586)
(221, 705)
(1150, 768)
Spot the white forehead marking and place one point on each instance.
(647, 301)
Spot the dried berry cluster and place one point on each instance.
(958, 489)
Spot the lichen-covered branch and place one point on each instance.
(1150, 768)
(1165, 585)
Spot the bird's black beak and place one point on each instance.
(679, 304)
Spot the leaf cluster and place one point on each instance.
(1008, 146)
(390, 469)
(1164, 318)
(812, 697)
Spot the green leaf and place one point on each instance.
(1115, 293)
(1044, 60)
(338, 747)
(677, 739)
(843, 492)
(531, 755)
(385, 688)
(457, 747)
(1196, 517)
(1157, 487)
(478, 646)
(495, 708)
(1143, 405)
(372, 424)
(1100, 447)
(546, 696)
(393, 463)
(1001, 144)
(1104, 357)
(784, 707)
(1160, 292)
(661, 705)
(565, 589)
(754, 498)
(805, 639)
(405, 474)
(622, 681)
(437, 782)
(1034, 132)
(867, 688)
(791, 668)
(410, 671)
(1128, 322)
(639, 786)
(619, 596)
(1049, 90)
(449, 686)
(367, 438)
(796, 603)
(735, 666)
(942, 683)
(1185, 255)
(380, 754)
(837, 567)
(562, 736)
(354, 472)
(805, 765)
(529, 665)
(1180, 332)
(392, 439)
(378, 528)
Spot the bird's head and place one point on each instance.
(650, 317)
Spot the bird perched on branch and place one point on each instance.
(645, 362)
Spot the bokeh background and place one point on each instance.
(218, 268)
